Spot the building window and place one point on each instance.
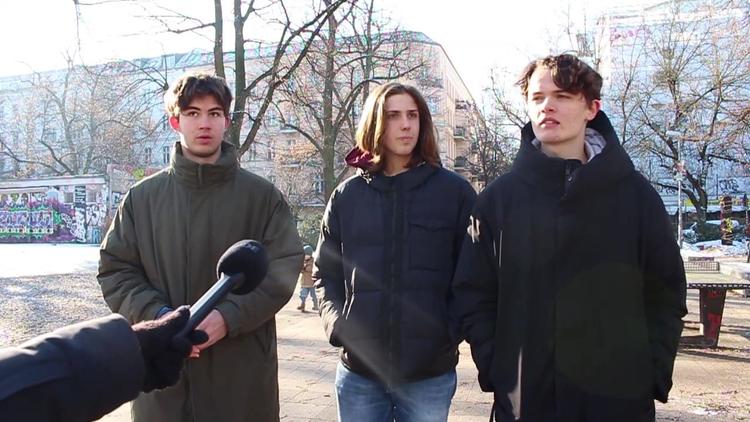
(147, 153)
(319, 184)
(433, 104)
(291, 121)
(92, 192)
(271, 120)
(50, 135)
(165, 150)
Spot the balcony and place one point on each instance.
(461, 133)
(462, 105)
(430, 81)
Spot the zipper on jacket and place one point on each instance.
(186, 299)
(570, 167)
(391, 288)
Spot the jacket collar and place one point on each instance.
(548, 173)
(363, 161)
(196, 175)
(407, 180)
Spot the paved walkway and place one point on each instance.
(307, 367)
(709, 385)
(308, 364)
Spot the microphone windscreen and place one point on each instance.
(246, 257)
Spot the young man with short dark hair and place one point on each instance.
(161, 252)
(570, 286)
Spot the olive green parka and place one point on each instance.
(162, 249)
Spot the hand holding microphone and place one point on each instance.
(240, 270)
(163, 351)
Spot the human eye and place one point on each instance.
(190, 113)
(216, 114)
(413, 115)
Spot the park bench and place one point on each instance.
(712, 293)
(702, 266)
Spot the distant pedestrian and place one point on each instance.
(305, 281)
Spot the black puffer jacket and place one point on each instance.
(571, 289)
(384, 264)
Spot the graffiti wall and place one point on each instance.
(121, 178)
(43, 216)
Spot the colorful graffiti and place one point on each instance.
(39, 217)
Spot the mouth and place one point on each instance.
(548, 122)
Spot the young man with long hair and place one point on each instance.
(388, 246)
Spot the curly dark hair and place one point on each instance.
(569, 73)
(196, 84)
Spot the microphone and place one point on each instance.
(240, 270)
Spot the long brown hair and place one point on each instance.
(372, 126)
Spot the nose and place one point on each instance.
(548, 104)
(405, 123)
(204, 121)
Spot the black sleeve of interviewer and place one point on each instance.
(77, 373)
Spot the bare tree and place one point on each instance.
(79, 120)
(323, 100)
(272, 62)
(293, 164)
(689, 76)
(497, 131)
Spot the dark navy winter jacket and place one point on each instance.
(384, 263)
(571, 290)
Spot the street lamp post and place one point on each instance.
(678, 175)
(680, 169)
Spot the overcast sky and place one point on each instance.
(477, 34)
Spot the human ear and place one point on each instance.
(174, 122)
(594, 108)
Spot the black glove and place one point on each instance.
(163, 351)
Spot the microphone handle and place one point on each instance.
(200, 310)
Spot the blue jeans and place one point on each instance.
(304, 291)
(362, 399)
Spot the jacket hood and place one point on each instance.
(196, 175)
(360, 159)
(413, 177)
(548, 173)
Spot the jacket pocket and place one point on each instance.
(265, 336)
(430, 244)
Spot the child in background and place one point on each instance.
(306, 282)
